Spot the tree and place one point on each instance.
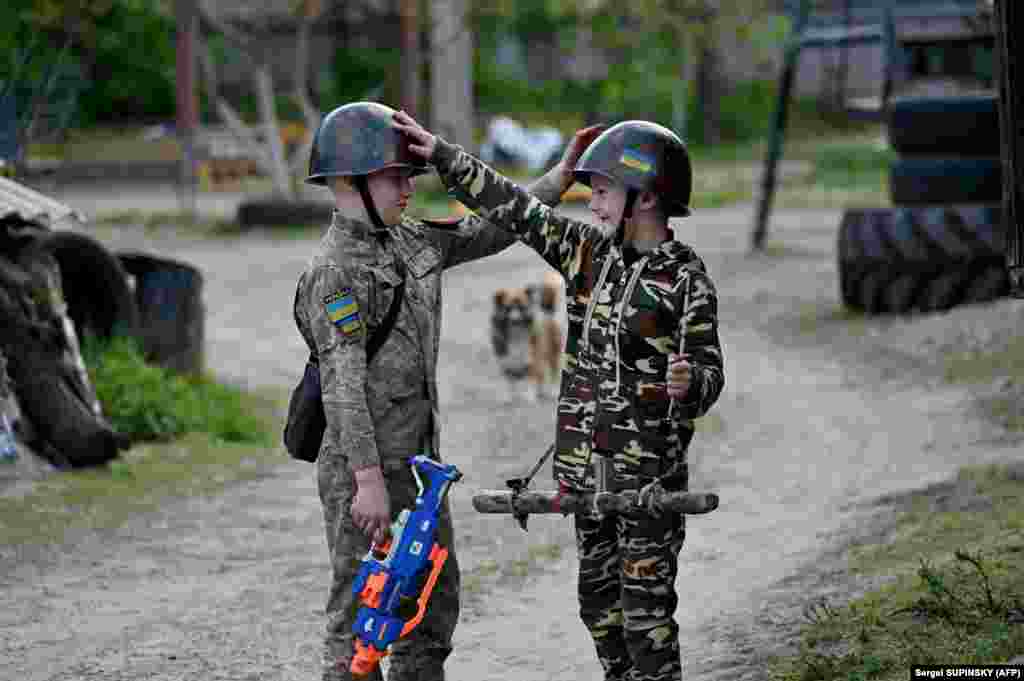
(690, 31)
(69, 63)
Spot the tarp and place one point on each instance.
(29, 205)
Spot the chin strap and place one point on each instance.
(371, 209)
(627, 212)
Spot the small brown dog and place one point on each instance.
(527, 338)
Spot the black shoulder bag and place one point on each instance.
(304, 429)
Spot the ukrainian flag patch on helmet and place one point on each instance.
(637, 160)
(343, 311)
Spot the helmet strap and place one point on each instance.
(371, 210)
(627, 212)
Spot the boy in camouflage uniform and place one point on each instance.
(642, 361)
(380, 413)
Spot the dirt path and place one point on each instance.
(812, 427)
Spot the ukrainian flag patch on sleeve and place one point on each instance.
(343, 311)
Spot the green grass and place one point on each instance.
(976, 366)
(814, 317)
(109, 143)
(986, 366)
(152, 221)
(107, 497)
(193, 436)
(147, 402)
(184, 223)
(957, 578)
(485, 574)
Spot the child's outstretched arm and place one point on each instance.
(558, 239)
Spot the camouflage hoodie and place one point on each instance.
(623, 322)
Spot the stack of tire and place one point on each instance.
(942, 243)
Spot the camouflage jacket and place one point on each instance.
(623, 322)
(385, 412)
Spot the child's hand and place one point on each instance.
(424, 142)
(678, 375)
(580, 141)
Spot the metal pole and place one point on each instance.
(777, 132)
(1009, 21)
(187, 108)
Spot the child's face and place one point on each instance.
(607, 201)
(391, 189)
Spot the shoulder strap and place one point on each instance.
(381, 333)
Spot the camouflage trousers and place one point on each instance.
(420, 656)
(628, 567)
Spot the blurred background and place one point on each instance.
(234, 88)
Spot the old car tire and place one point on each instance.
(925, 180)
(944, 126)
(925, 258)
(278, 212)
(169, 297)
(94, 285)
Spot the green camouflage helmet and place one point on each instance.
(643, 156)
(357, 139)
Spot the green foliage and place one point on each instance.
(121, 50)
(360, 71)
(847, 165)
(954, 590)
(148, 402)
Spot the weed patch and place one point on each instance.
(196, 436)
(108, 496)
(813, 317)
(957, 596)
(147, 402)
(985, 366)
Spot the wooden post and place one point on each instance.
(412, 59)
(1009, 24)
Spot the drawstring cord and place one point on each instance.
(638, 267)
(594, 293)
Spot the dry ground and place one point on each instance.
(821, 416)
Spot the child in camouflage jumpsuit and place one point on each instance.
(642, 361)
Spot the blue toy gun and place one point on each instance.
(396, 578)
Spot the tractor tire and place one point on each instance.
(278, 212)
(925, 180)
(168, 295)
(921, 259)
(944, 126)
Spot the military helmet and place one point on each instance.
(643, 156)
(357, 139)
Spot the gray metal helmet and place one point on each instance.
(643, 156)
(357, 139)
